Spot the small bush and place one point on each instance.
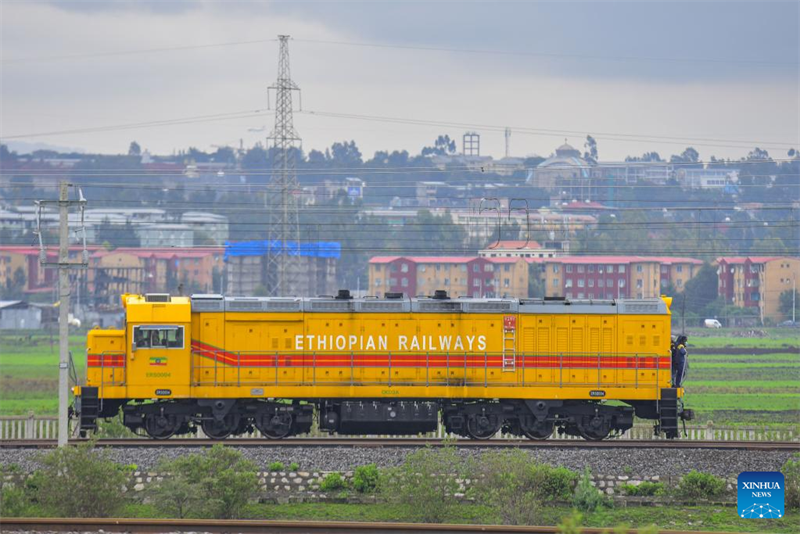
(697, 485)
(112, 428)
(276, 466)
(426, 483)
(791, 475)
(294, 466)
(508, 481)
(13, 501)
(645, 489)
(332, 482)
(555, 483)
(587, 498)
(80, 482)
(571, 524)
(365, 478)
(217, 483)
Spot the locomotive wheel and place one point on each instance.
(596, 429)
(538, 431)
(277, 426)
(481, 427)
(215, 429)
(159, 426)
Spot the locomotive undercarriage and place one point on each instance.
(534, 419)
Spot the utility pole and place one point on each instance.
(64, 265)
(284, 223)
(508, 142)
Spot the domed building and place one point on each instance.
(565, 171)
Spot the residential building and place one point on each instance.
(707, 178)
(525, 249)
(757, 282)
(314, 266)
(165, 235)
(139, 270)
(596, 277)
(460, 276)
(207, 226)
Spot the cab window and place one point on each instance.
(158, 337)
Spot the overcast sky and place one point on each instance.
(639, 76)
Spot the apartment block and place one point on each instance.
(757, 282)
(608, 277)
(460, 276)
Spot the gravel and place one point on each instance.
(642, 462)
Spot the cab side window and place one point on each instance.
(158, 337)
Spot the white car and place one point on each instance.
(712, 323)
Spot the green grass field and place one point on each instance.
(744, 389)
(29, 373)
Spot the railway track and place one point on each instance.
(136, 526)
(418, 442)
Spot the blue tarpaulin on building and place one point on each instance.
(320, 249)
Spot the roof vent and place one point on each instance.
(157, 297)
(440, 294)
(343, 294)
(393, 295)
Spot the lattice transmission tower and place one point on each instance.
(282, 264)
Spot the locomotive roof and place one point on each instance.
(220, 303)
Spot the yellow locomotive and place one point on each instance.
(383, 366)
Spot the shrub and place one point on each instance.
(276, 466)
(332, 482)
(556, 483)
(645, 489)
(217, 483)
(365, 478)
(791, 475)
(507, 481)
(112, 428)
(571, 524)
(587, 498)
(294, 466)
(13, 501)
(80, 482)
(426, 483)
(697, 485)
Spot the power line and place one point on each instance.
(148, 124)
(547, 132)
(424, 48)
(93, 55)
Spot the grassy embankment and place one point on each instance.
(708, 518)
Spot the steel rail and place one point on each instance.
(414, 442)
(136, 526)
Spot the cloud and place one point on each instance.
(698, 99)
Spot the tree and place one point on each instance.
(427, 483)
(217, 483)
(346, 154)
(787, 301)
(758, 154)
(5, 155)
(224, 154)
(80, 481)
(255, 158)
(315, 157)
(441, 147)
(690, 155)
(134, 149)
(591, 149)
(15, 285)
(701, 291)
(647, 156)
